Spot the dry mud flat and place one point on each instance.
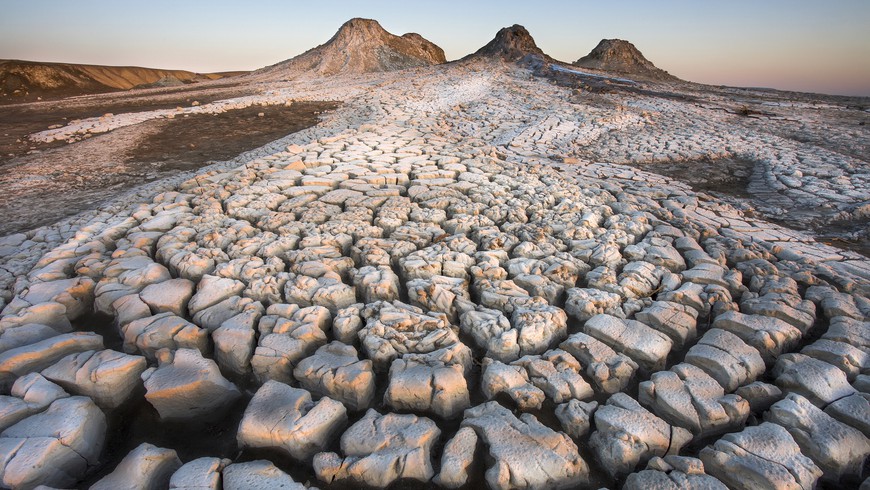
(416, 292)
(56, 180)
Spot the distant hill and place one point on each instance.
(623, 58)
(31, 79)
(360, 46)
(512, 43)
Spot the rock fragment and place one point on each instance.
(186, 386)
(525, 453)
(765, 456)
(287, 419)
(380, 449)
(147, 468)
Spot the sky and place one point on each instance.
(816, 46)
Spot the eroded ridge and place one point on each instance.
(415, 290)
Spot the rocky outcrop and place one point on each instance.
(510, 44)
(621, 57)
(359, 46)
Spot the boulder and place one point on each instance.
(380, 449)
(762, 457)
(286, 419)
(524, 452)
(395, 329)
(679, 322)
(491, 330)
(770, 336)
(31, 394)
(35, 357)
(55, 448)
(760, 395)
(838, 449)
(433, 382)
(850, 359)
(145, 468)
(336, 371)
(688, 397)
(584, 303)
(168, 296)
(574, 417)
(257, 475)
(187, 386)
(647, 347)
(818, 381)
(234, 342)
(162, 331)
(627, 435)
(726, 358)
(673, 473)
(108, 377)
(199, 474)
(211, 290)
(610, 370)
(457, 459)
(853, 410)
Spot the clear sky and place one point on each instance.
(819, 46)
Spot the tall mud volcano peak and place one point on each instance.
(620, 56)
(511, 44)
(361, 46)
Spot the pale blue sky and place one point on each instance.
(821, 46)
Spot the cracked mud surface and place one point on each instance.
(459, 269)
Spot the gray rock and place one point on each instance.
(584, 303)
(818, 381)
(687, 397)
(35, 357)
(31, 394)
(726, 358)
(539, 328)
(839, 450)
(186, 386)
(575, 416)
(762, 457)
(647, 347)
(145, 468)
(257, 475)
(76, 295)
(234, 342)
(433, 382)
(287, 419)
(770, 336)
(380, 449)
(679, 322)
(336, 371)
(850, 359)
(525, 453)
(211, 290)
(108, 377)
(673, 473)
(393, 330)
(760, 395)
(457, 459)
(853, 410)
(54, 448)
(628, 435)
(611, 371)
(168, 296)
(163, 331)
(199, 474)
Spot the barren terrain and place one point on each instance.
(504, 271)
